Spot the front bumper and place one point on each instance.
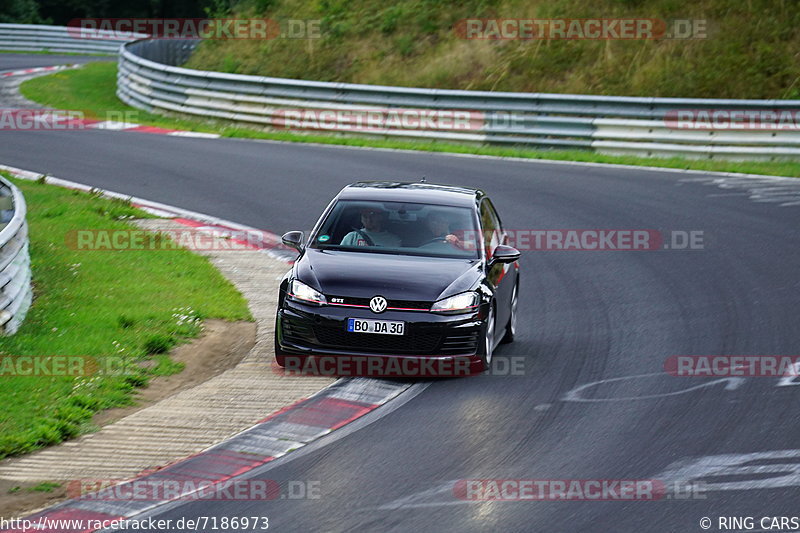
(321, 330)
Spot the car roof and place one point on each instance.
(419, 192)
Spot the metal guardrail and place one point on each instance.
(150, 79)
(38, 38)
(15, 264)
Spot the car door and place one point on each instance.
(500, 276)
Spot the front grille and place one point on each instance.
(410, 304)
(404, 304)
(421, 344)
(460, 344)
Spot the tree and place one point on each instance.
(20, 12)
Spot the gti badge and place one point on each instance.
(378, 304)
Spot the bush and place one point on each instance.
(159, 343)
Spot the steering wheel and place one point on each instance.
(431, 241)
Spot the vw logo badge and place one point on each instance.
(378, 304)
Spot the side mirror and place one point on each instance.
(293, 239)
(504, 254)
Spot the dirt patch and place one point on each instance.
(20, 499)
(221, 346)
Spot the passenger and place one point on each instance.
(373, 233)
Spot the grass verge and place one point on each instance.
(92, 90)
(744, 49)
(132, 304)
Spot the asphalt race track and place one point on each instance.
(586, 316)
(17, 61)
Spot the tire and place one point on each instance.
(280, 357)
(486, 349)
(511, 327)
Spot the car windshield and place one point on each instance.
(399, 228)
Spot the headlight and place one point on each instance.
(460, 303)
(301, 291)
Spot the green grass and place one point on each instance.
(99, 304)
(45, 486)
(92, 90)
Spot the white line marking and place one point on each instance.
(423, 498)
(195, 134)
(575, 394)
(113, 125)
(737, 466)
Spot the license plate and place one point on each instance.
(381, 327)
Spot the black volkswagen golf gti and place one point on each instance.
(408, 272)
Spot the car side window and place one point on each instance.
(490, 225)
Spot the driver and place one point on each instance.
(373, 233)
(439, 228)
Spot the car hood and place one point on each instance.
(364, 275)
